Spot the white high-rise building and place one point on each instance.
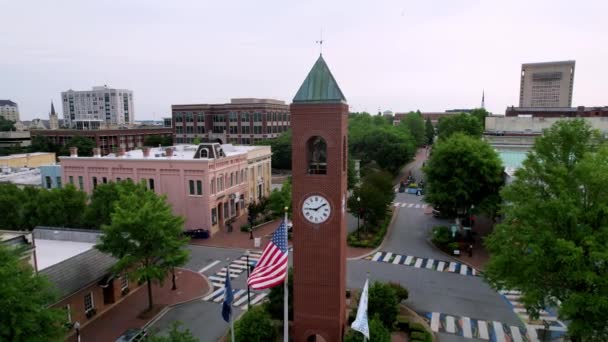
(548, 84)
(9, 110)
(99, 108)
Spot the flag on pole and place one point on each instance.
(271, 269)
(360, 323)
(228, 297)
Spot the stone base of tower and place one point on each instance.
(315, 329)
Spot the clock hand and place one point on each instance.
(322, 205)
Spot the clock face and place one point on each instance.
(316, 209)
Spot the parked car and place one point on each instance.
(197, 233)
(132, 335)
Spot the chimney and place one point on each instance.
(96, 152)
(169, 152)
(122, 151)
(146, 152)
(73, 151)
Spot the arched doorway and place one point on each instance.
(315, 338)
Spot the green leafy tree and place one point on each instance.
(383, 301)
(377, 332)
(142, 235)
(279, 199)
(281, 150)
(43, 144)
(414, 123)
(255, 326)
(24, 299)
(481, 114)
(376, 194)
(11, 202)
(462, 171)
(61, 207)
(274, 306)
(101, 206)
(459, 123)
(85, 146)
(352, 179)
(6, 125)
(196, 141)
(429, 131)
(555, 228)
(175, 334)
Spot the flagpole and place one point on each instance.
(286, 289)
(231, 313)
(367, 282)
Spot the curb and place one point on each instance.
(388, 232)
(477, 270)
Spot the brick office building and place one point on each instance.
(242, 121)
(108, 140)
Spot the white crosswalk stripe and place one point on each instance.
(217, 284)
(463, 269)
(397, 259)
(213, 294)
(499, 332)
(387, 257)
(516, 334)
(209, 266)
(418, 263)
(429, 263)
(408, 260)
(241, 300)
(440, 266)
(483, 330)
(452, 267)
(417, 206)
(377, 256)
(450, 324)
(410, 205)
(466, 327)
(435, 321)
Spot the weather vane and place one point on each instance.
(320, 42)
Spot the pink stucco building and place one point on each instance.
(206, 183)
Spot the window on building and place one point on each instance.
(200, 129)
(189, 117)
(178, 117)
(199, 187)
(212, 186)
(191, 183)
(201, 118)
(48, 182)
(80, 182)
(104, 180)
(245, 129)
(71, 180)
(88, 302)
(214, 216)
(151, 184)
(257, 117)
(94, 182)
(59, 185)
(124, 282)
(242, 176)
(231, 178)
(234, 130)
(233, 117)
(245, 118)
(118, 179)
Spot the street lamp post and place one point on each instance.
(248, 292)
(77, 327)
(358, 215)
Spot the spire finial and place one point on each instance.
(483, 98)
(320, 42)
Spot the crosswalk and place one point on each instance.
(410, 205)
(476, 328)
(236, 267)
(424, 263)
(537, 327)
(240, 297)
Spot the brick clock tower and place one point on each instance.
(319, 122)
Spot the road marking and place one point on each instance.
(463, 269)
(216, 278)
(239, 293)
(403, 205)
(217, 285)
(424, 206)
(397, 259)
(435, 321)
(483, 330)
(418, 263)
(215, 293)
(466, 327)
(429, 263)
(417, 206)
(531, 333)
(499, 332)
(410, 205)
(513, 297)
(377, 256)
(387, 257)
(408, 260)
(452, 267)
(440, 266)
(241, 300)
(243, 267)
(516, 334)
(449, 324)
(209, 266)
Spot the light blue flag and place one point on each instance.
(360, 323)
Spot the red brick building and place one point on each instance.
(108, 140)
(319, 171)
(242, 121)
(550, 112)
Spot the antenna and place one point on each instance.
(320, 42)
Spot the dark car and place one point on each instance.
(197, 233)
(132, 335)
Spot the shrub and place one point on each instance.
(441, 236)
(400, 291)
(402, 323)
(383, 302)
(452, 246)
(245, 228)
(377, 332)
(255, 325)
(417, 327)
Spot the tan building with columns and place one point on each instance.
(259, 166)
(30, 160)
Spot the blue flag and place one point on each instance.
(228, 297)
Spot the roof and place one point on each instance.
(73, 274)
(7, 103)
(319, 86)
(555, 63)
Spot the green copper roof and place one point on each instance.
(319, 86)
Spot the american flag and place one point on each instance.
(271, 269)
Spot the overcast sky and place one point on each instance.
(399, 55)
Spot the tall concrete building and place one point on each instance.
(99, 108)
(546, 84)
(9, 110)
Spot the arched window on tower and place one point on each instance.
(317, 156)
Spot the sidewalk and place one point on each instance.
(112, 323)
(238, 239)
(483, 227)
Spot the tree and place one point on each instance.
(462, 171)
(383, 301)
(274, 306)
(101, 206)
(255, 326)
(61, 207)
(352, 178)
(414, 123)
(555, 228)
(6, 125)
(196, 141)
(11, 202)
(174, 335)
(24, 299)
(376, 194)
(142, 235)
(481, 114)
(281, 150)
(280, 198)
(377, 332)
(43, 144)
(156, 140)
(85, 146)
(463, 123)
(430, 131)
